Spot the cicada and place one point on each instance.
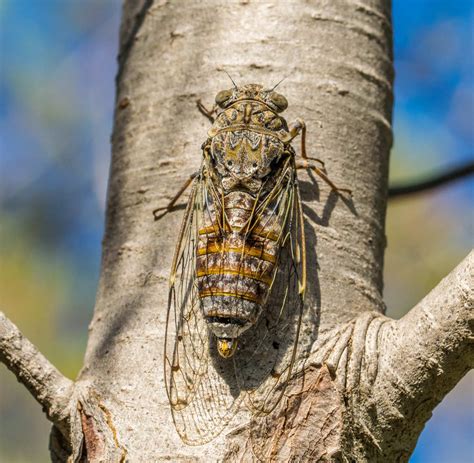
(238, 278)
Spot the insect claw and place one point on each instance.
(345, 190)
(170, 205)
(206, 112)
(322, 164)
(159, 216)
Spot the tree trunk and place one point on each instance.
(370, 383)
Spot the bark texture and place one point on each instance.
(370, 383)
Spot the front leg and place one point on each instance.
(297, 127)
(307, 165)
(165, 209)
(206, 112)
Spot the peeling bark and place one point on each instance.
(306, 426)
(369, 383)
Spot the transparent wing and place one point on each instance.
(201, 400)
(265, 360)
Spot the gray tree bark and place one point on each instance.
(370, 382)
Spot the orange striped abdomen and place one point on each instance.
(235, 267)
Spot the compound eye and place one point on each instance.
(223, 97)
(279, 101)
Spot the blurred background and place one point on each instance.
(57, 69)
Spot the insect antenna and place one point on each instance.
(228, 75)
(284, 78)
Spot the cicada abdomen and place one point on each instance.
(236, 263)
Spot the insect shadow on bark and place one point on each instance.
(310, 191)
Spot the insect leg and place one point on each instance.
(164, 210)
(306, 165)
(297, 127)
(206, 112)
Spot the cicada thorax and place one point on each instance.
(253, 116)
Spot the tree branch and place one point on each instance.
(451, 175)
(438, 331)
(47, 385)
(424, 355)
